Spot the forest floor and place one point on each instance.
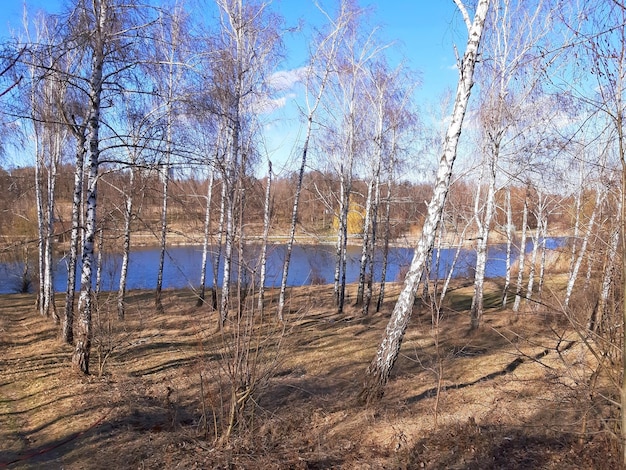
(517, 393)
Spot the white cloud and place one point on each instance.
(282, 84)
(286, 79)
(269, 105)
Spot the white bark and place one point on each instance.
(386, 229)
(533, 256)
(608, 274)
(577, 209)
(378, 372)
(365, 244)
(340, 234)
(600, 195)
(483, 220)
(219, 243)
(171, 60)
(41, 236)
(128, 218)
(373, 191)
(82, 349)
(542, 264)
(55, 156)
(522, 257)
(99, 260)
(248, 42)
(77, 204)
(343, 252)
(369, 281)
(387, 217)
(229, 236)
(333, 38)
(266, 232)
(206, 239)
(509, 243)
(164, 172)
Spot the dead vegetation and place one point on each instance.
(524, 391)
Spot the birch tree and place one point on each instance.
(267, 206)
(402, 122)
(46, 95)
(172, 59)
(377, 373)
(379, 84)
(521, 256)
(100, 23)
(509, 244)
(393, 124)
(206, 238)
(345, 107)
(511, 80)
(320, 67)
(141, 136)
(247, 47)
(602, 89)
(78, 127)
(104, 28)
(608, 272)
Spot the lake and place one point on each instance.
(183, 263)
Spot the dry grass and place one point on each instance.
(512, 395)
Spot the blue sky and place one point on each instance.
(423, 32)
(423, 29)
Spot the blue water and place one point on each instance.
(308, 262)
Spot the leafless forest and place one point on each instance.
(143, 124)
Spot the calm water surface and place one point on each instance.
(308, 262)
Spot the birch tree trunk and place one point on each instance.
(365, 244)
(229, 236)
(40, 165)
(476, 311)
(343, 252)
(55, 156)
(333, 38)
(619, 125)
(608, 275)
(170, 51)
(294, 212)
(600, 195)
(377, 373)
(128, 218)
(369, 281)
(205, 241)
(82, 350)
(542, 264)
(99, 260)
(218, 249)
(457, 253)
(77, 199)
(266, 231)
(509, 243)
(41, 235)
(164, 172)
(373, 191)
(386, 229)
(339, 242)
(522, 257)
(533, 262)
(577, 209)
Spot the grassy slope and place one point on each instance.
(502, 397)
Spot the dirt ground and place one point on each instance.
(518, 393)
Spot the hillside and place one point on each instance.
(515, 394)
